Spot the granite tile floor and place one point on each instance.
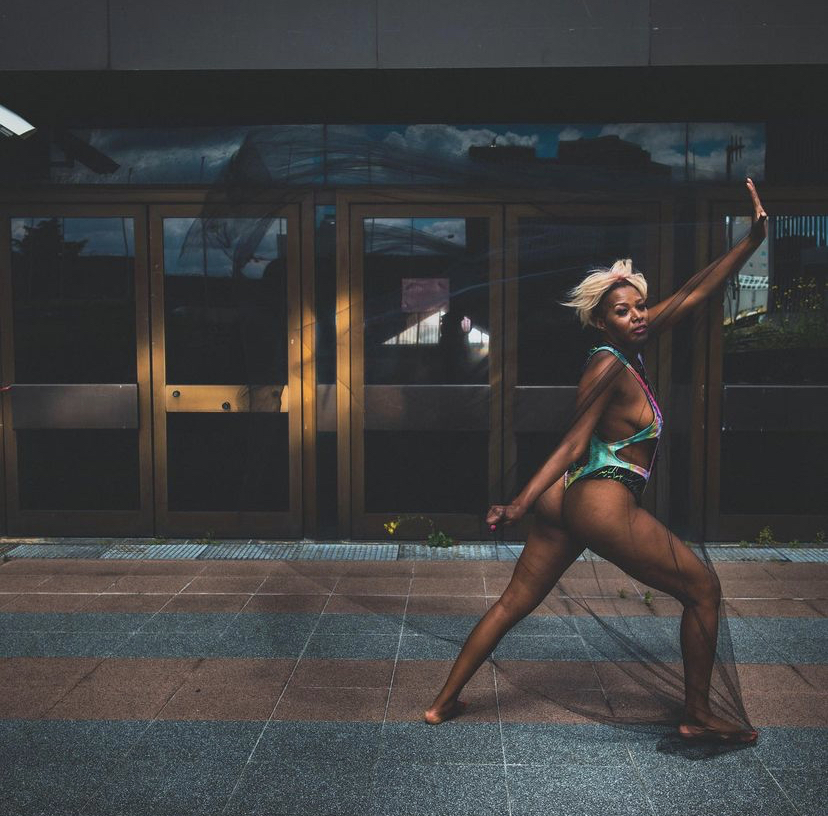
(286, 687)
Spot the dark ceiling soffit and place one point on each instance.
(192, 98)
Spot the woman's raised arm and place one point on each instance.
(668, 312)
(595, 390)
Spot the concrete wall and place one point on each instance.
(336, 34)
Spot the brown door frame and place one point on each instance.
(714, 206)
(61, 523)
(503, 207)
(200, 398)
(352, 208)
(657, 215)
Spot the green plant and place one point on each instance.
(648, 599)
(794, 543)
(820, 537)
(622, 593)
(744, 543)
(209, 537)
(765, 537)
(435, 537)
(160, 540)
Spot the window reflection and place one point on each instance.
(225, 300)
(426, 300)
(775, 335)
(775, 318)
(74, 302)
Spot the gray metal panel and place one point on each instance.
(519, 33)
(53, 34)
(710, 32)
(214, 34)
(427, 407)
(541, 409)
(774, 408)
(75, 406)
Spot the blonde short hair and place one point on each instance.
(585, 297)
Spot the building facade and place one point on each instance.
(292, 272)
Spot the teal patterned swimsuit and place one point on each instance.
(601, 460)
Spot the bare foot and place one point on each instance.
(709, 728)
(438, 714)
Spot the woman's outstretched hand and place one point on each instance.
(504, 514)
(759, 227)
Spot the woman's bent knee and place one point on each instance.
(706, 591)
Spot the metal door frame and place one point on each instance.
(657, 216)
(354, 521)
(261, 524)
(713, 207)
(67, 522)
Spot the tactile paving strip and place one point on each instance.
(149, 549)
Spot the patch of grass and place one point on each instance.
(648, 599)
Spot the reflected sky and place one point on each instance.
(342, 154)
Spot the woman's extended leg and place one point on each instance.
(604, 513)
(546, 556)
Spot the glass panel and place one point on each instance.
(775, 333)
(73, 285)
(78, 469)
(553, 256)
(225, 300)
(426, 300)
(221, 462)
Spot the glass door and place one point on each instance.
(227, 372)
(75, 359)
(768, 444)
(419, 370)
(549, 248)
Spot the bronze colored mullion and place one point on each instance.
(357, 384)
(308, 366)
(8, 457)
(496, 354)
(653, 270)
(698, 386)
(343, 365)
(663, 256)
(159, 369)
(715, 313)
(294, 319)
(144, 371)
(510, 363)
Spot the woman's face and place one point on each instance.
(624, 316)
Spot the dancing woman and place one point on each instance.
(595, 502)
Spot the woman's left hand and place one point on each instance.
(759, 227)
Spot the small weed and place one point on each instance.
(622, 593)
(648, 599)
(744, 543)
(439, 539)
(160, 540)
(820, 537)
(794, 543)
(765, 537)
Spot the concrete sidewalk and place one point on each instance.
(200, 686)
